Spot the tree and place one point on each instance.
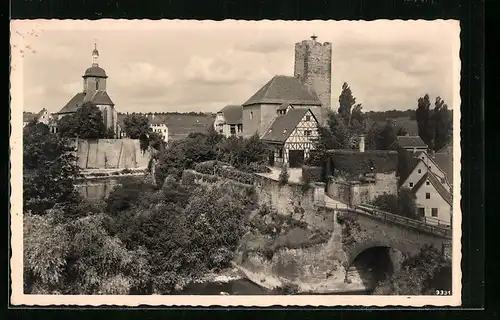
(421, 274)
(136, 125)
(406, 203)
(442, 121)
(49, 170)
(86, 123)
(387, 136)
(435, 126)
(284, 175)
(423, 116)
(401, 131)
(346, 101)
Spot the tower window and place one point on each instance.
(97, 85)
(251, 114)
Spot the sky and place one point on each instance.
(174, 65)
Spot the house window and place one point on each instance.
(427, 195)
(434, 212)
(411, 184)
(233, 129)
(307, 133)
(280, 153)
(427, 183)
(308, 118)
(419, 171)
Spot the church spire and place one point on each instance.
(95, 56)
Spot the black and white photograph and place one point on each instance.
(244, 163)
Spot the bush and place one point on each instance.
(288, 288)
(234, 174)
(284, 175)
(312, 174)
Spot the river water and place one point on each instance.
(240, 287)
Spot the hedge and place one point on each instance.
(208, 167)
(189, 177)
(234, 174)
(312, 174)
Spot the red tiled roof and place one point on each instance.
(411, 142)
(233, 114)
(445, 194)
(284, 125)
(281, 89)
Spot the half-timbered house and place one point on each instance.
(291, 136)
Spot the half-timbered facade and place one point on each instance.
(291, 136)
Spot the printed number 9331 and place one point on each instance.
(443, 292)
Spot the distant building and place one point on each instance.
(229, 122)
(291, 136)
(94, 90)
(411, 143)
(158, 126)
(42, 117)
(433, 201)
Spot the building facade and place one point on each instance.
(229, 122)
(433, 201)
(94, 91)
(291, 136)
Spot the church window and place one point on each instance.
(251, 115)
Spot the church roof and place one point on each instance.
(233, 114)
(95, 71)
(281, 89)
(283, 125)
(73, 104)
(99, 97)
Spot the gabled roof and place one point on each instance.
(411, 142)
(354, 163)
(447, 149)
(99, 97)
(39, 114)
(73, 104)
(281, 89)
(283, 125)
(233, 114)
(445, 194)
(445, 162)
(102, 98)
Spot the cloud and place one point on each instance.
(265, 46)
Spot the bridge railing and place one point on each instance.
(442, 230)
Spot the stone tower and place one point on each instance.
(313, 66)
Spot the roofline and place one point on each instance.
(281, 101)
(433, 180)
(93, 76)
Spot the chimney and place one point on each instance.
(362, 143)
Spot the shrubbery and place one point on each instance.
(402, 204)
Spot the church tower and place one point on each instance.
(313, 67)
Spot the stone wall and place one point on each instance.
(111, 154)
(355, 192)
(313, 66)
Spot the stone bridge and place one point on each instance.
(374, 229)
